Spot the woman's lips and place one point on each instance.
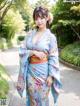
(39, 24)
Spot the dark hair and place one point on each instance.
(41, 12)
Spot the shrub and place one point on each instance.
(20, 38)
(71, 54)
(4, 86)
(3, 44)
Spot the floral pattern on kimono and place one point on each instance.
(35, 75)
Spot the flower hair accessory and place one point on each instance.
(50, 17)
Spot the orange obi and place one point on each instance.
(34, 59)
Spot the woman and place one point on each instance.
(39, 64)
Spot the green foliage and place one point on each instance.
(67, 22)
(44, 3)
(4, 86)
(76, 8)
(26, 11)
(27, 20)
(20, 38)
(65, 19)
(1, 1)
(4, 7)
(64, 36)
(71, 53)
(9, 44)
(1, 44)
(12, 23)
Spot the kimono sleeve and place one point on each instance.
(53, 63)
(23, 67)
(53, 59)
(24, 54)
(23, 50)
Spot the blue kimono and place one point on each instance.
(32, 76)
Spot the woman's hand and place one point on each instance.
(38, 54)
(49, 81)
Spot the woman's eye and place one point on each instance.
(42, 17)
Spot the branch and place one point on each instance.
(3, 5)
(5, 11)
(75, 32)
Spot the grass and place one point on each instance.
(71, 54)
(4, 86)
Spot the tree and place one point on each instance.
(44, 3)
(66, 22)
(25, 10)
(76, 10)
(12, 23)
(4, 7)
(10, 19)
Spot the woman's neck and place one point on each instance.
(41, 29)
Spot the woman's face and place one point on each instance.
(41, 22)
